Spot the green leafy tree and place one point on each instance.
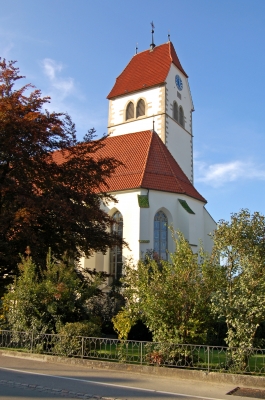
(50, 183)
(44, 301)
(172, 298)
(239, 246)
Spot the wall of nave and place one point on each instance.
(138, 224)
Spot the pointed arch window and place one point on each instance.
(116, 251)
(140, 108)
(160, 235)
(175, 111)
(130, 111)
(181, 116)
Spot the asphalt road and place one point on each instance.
(22, 379)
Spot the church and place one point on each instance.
(150, 131)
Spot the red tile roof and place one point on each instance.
(147, 163)
(146, 69)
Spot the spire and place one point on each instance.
(152, 45)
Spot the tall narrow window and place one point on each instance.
(175, 111)
(130, 111)
(160, 235)
(140, 109)
(181, 116)
(116, 251)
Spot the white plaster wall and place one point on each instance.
(138, 224)
(130, 210)
(178, 139)
(153, 98)
(185, 101)
(195, 227)
(179, 143)
(209, 228)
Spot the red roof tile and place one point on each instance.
(146, 69)
(147, 163)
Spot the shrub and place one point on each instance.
(70, 341)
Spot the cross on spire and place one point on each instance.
(152, 45)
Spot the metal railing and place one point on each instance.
(197, 357)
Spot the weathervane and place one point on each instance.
(152, 45)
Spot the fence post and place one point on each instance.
(141, 352)
(208, 351)
(82, 354)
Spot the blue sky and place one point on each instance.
(74, 50)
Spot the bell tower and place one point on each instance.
(152, 92)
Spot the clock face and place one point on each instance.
(179, 83)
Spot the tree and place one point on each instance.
(172, 298)
(44, 301)
(239, 246)
(51, 184)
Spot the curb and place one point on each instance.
(204, 376)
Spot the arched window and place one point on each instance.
(116, 251)
(175, 111)
(160, 235)
(140, 109)
(130, 111)
(181, 116)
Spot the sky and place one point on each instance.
(73, 50)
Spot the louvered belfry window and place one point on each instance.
(130, 111)
(140, 109)
(181, 116)
(175, 111)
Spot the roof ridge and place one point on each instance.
(147, 156)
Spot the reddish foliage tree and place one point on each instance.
(49, 181)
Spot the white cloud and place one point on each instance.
(219, 174)
(62, 86)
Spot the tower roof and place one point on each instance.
(147, 163)
(146, 69)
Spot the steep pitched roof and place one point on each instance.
(146, 69)
(147, 163)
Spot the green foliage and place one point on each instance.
(240, 247)
(171, 298)
(88, 329)
(71, 342)
(43, 301)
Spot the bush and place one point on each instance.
(70, 341)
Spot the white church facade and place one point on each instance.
(150, 131)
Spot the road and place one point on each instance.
(22, 379)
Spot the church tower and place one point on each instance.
(152, 92)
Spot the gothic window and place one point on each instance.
(130, 111)
(181, 117)
(160, 235)
(116, 251)
(175, 111)
(140, 109)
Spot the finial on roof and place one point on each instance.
(152, 45)
(136, 48)
(168, 35)
(153, 124)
